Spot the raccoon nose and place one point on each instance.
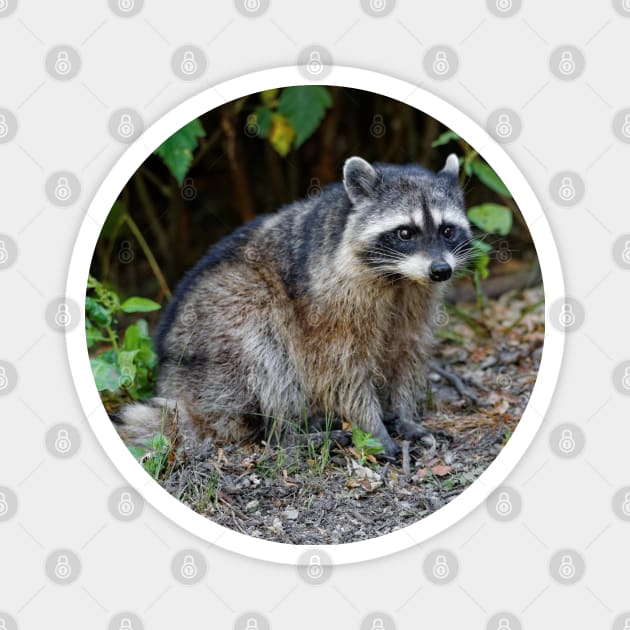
(439, 271)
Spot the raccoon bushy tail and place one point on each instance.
(138, 423)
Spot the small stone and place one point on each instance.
(291, 515)
(252, 506)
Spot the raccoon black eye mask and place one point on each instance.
(323, 309)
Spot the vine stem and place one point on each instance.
(135, 230)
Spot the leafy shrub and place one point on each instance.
(122, 364)
(365, 444)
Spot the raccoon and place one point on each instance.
(324, 308)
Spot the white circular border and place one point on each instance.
(546, 379)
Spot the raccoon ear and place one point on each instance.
(359, 178)
(451, 166)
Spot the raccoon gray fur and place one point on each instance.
(324, 308)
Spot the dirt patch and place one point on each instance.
(328, 492)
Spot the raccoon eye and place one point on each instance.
(448, 232)
(404, 233)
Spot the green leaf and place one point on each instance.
(445, 138)
(137, 451)
(106, 374)
(491, 217)
(132, 338)
(481, 257)
(93, 335)
(489, 177)
(127, 368)
(139, 305)
(143, 329)
(177, 151)
(304, 107)
(96, 313)
(263, 119)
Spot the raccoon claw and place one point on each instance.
(391, 450)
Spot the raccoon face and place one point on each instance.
(407, 222)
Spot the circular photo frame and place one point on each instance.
(505, 461)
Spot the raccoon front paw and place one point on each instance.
(415, 432)
(391, 449)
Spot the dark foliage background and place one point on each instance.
(253, 157)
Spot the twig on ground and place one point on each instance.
(456, 382)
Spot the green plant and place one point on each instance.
(288, 117)
(155, 455)
(177, 150)
(125, 363)
(365, 444)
